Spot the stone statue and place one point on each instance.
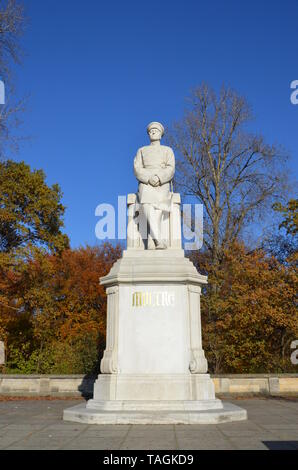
(154, 168)
(154, 369)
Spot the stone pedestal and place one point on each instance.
(154, 369)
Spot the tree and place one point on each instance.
(290, 214)
(30, 210)
(54, 316)
(234, 174)
(251, 319)
(12, 22)
(11, 27)
(281, 240)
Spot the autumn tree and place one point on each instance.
(58, 320)
(31, 221)
(281, 240)
(30, 210)
(251, 319)
(235, 174)
(290, 216)
(81, 321)
(12, 21)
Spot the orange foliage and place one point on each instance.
(53, 310)
(249, 312)
(56, 299)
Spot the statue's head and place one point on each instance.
(155, 130)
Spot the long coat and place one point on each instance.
(155, 160)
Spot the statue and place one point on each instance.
(154, 370)
(154, 168)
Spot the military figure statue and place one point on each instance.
(154, 167)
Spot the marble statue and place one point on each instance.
(154, 168)
(154, 369)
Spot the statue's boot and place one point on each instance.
(160, 245)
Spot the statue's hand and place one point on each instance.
(154, 181)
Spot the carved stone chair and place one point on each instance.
(138, 236)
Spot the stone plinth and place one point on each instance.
(154, 369)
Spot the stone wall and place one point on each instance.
(46, 385)
(78, 385)
(256, 384)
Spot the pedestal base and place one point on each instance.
(156, 413)
(154, 367)
(154, 399)
(153, 387)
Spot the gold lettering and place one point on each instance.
(154, 299)
(137, 299)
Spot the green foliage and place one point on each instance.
(78, 357)
(53, 309)
(30, 210)
(53, 313)
(290, 214)
(249, 313)
(21, 360)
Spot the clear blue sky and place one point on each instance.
(99, 71)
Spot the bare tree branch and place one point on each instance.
(235, 174)
(12, 22)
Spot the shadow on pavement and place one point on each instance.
(281, 445)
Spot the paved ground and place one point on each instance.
(37, 424)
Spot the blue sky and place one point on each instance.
(97, 72)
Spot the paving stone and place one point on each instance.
(92, 431)
(195, 427)
(190, 433)
(8, 440)
(29, 424)
(34, 446)
(151, 431)
(285, 434)
(249, 430)
(204, 444)
(43, 442)
(60, 434)
(93, 443)
(243, 443)
(289, 426)
(17, 434)
(149, 443)
(66, 425)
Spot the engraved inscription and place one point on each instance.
(153, 299)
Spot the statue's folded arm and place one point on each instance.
(166, 174)
(142, 174)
